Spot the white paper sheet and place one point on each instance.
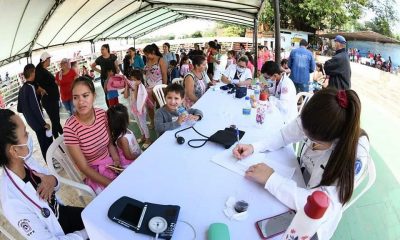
(228, 161)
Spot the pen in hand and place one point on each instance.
(238, 136)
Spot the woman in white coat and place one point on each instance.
(332, 158)
(283, 92)
(27, 191)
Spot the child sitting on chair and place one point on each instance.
(172, 115)
(121, 136)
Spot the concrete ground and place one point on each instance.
(377, 214)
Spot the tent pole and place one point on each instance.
(277, 32)
(255, 45)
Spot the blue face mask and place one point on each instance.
(29, 144)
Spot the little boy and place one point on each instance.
(173, 71)
(28, 105)
(168, 117)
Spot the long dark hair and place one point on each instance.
(118, 121)
(321, 67)
(332, 115)
(152, 49)
(7, 133)
(84, 81)
(106, 46)
(184, 58)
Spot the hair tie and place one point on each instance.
(342, 99)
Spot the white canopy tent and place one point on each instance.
(29, 25)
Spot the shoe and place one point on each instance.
(139, 140)
(146, 145)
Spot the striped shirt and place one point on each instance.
(92, 139)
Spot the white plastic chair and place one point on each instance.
(178, 81)
(303, 98)
(4, 232)
(371, 173)
(158, 91)
(58, 152)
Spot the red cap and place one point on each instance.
(264, 96)
(316, 205)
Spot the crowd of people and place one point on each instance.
(97, 138)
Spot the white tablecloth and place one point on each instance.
(168, 173)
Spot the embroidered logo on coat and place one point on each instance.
(24, 224)
(357, 166)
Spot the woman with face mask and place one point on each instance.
(238, 73)
(27, 191)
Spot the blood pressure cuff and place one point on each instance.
(226, 138)
(135, 215)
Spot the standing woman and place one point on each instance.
(64, 79)
(87, 137)
(167, 55)
(27, 190)
(195, 82)
(156, 74)
(51, 98)
(106, 61)
(334, 155)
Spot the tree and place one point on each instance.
(312, 15)
(197, 34)
(385, 17)
(231, 30)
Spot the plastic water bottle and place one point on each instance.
(257, 90)
(182, 110)
(311, 87)
(262, 108)
(307, 221)
(247, 106)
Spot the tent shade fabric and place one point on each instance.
(29, 25)
(362, 36)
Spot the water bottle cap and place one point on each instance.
(247, 98)
(316, 205)
(263, 96)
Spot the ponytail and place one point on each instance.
(332, 115)
(153, 49)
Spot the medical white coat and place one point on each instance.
(284, 98)
(23, 214)
(294, 197)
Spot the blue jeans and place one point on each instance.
(69, 106)
(301, 87)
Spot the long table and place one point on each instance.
(169, 173)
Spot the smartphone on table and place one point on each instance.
(270, 227)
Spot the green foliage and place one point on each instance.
(385, 15)
(312, 15)
(231, 30)
(197, 34)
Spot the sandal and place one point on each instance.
(146, 145)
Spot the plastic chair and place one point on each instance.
(158, 90)
(58, 152)
(371, 173)
(4, 232)
(178, 81)
(303, 98)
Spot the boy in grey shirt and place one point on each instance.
(172, 115)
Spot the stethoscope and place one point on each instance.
(44, 211)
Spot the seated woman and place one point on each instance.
(87, 137)
(238, 73)
(332, 158)
(28, 192)
(196, 81)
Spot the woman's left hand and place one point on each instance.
(259, 173)
(46, 187)
(193, 117)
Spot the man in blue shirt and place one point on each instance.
(302, 63)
